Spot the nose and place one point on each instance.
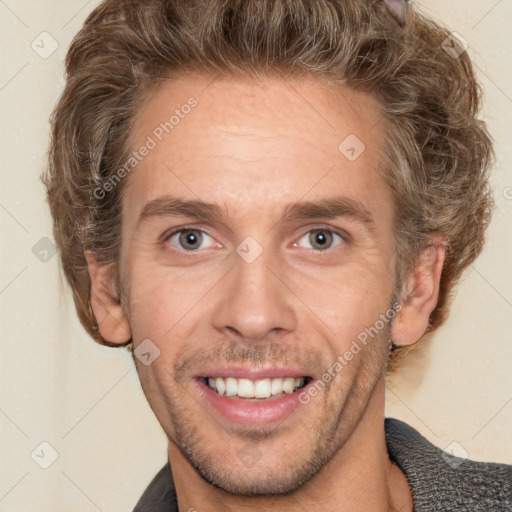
(254, 302)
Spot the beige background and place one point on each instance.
(85, 400)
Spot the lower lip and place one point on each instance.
(251, 412)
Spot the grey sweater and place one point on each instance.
(439, 482)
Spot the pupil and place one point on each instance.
(321, 239)
(190, 238)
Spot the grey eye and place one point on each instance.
(320, 239)
(191, 239)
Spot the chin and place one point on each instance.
(249, 474)
(243, 483)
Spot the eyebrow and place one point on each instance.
(328, 208)
(171, 206)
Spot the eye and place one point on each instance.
(320, 239)
(190, 239)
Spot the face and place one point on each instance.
(256, 250)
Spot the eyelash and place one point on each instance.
(343, 236)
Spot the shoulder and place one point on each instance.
(442, 481)
(159, 495)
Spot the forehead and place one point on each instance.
(248, 143)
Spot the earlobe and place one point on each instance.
(421, 295)
(112, 321)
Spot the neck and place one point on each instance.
(360, 476)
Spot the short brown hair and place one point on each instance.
(438, 153)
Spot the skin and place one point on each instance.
(253, 148)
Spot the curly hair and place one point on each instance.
(438, 153)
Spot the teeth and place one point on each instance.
(289, 385)
(231, 386)
(220, 386)
(246, 388)
(262, 388)
(277, 386)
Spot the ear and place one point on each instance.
(112, 321)
(421, 295)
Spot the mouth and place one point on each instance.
(255, 389)
(252, 397)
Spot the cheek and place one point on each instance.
(347, 298)
(166, 302)
(155, 309)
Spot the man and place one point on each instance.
(268, 202)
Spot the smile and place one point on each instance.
(257, 388)
(249, 396)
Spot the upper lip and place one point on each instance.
(252, 372)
